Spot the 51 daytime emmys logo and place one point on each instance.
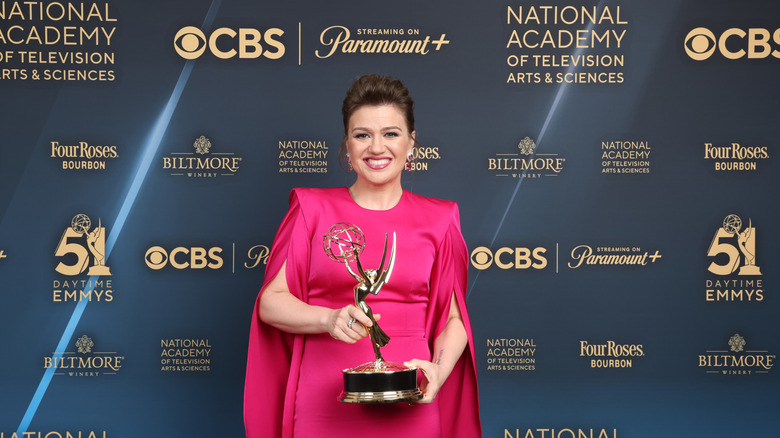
(732, 254)
(226, 43)
(737, 242)
(81, 244)
(82, 248)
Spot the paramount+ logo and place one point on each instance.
(509, 258)
(226, 43)
(734, 43)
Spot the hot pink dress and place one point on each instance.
(293, 381)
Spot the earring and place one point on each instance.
(409, 161)
(349, 163)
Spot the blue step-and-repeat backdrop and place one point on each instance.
(615, 163)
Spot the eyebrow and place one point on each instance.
(387, 128)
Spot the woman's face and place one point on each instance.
(378, 141)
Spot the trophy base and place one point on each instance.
(380, 382)
(749, 270)
(99, 270)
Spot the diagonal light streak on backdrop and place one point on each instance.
(149, 151)
(550, 115)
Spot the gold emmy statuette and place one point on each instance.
(96, 242)
(378, 381)
(747, 244)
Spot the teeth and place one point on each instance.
(379, 162)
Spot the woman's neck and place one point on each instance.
(376, 198)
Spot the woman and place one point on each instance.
(306, 328)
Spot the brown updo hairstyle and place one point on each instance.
(375, 90)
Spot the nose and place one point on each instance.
(376, 146)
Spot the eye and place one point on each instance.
(700, 43)
(481, 258)
(361, 135)
(189, 42)
(156, 257)
(392, 134)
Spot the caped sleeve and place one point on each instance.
(273, 356)
(458, 397)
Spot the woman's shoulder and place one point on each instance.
(305, 195)
(441, 205)
(434, 212)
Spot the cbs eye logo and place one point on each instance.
(158, 257)
(700, 43)
(190, 42)
(225, 43)
(509, 258)
(734, 43)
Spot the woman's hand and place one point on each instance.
(280, 309)
(348, 324)
(433, 378)
(449, 346)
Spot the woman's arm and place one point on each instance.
(281, 309)
(447, 349)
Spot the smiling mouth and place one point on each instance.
(377, 163)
